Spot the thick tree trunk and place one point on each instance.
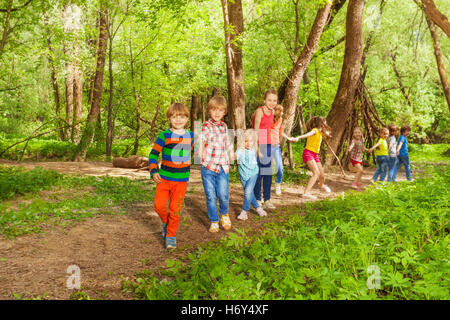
(296, 74)
(439, 59)
(436, 16)
(343, 101)
(234, 29)
(110, 126)
(88, 133)
(69, 101)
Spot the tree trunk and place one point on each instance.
(436, 16)
(77, 96)
(5, 29)
(88, 133)
(69, 100)
(296, 74)
(439, 59)
(194, 110)
(110, 127)
(55, 86)
(234, 28)
(343, 101)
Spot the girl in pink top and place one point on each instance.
(276, 132)
(262, 122)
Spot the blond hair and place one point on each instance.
(177, 108)
(277, 112)
(217, 102)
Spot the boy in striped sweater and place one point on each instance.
(175, 145)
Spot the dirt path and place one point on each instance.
(110, 249)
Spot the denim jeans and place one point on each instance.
(216, 187)
(265, 172)
(276, 154)
(382, 167)
(405, 161)
(391, 164)
(249, 196)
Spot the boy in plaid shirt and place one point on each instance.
(214, 149)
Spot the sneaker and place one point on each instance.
(326, 188)
(278, 189)
(243, 215)
(260, 203)
(164, 231)
(260, 211)
(355, 185)
(309, 196)
(214, 227)
(268, 205)
(171, 242)
(225, 221)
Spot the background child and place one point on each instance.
(392, 146)
(176, 145)
(356, 148)
(248, 172)
(381, 154)
(402, 154)
(214, 149)
(317, 126)
(262, 122)
(276, 132)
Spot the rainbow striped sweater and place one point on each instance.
(176, 155)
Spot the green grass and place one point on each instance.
(68, 198)
(429, 152)
(327, 253)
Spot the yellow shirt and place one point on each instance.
(382, 149)
(313, 142)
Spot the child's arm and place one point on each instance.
(306, 135)
(399, 146)
(153, 157)
(374, 147)
(292, 139)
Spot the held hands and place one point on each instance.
(157, 178)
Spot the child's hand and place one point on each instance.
(157, 178)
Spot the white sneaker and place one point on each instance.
(260, 211)
(278, 189)
(268, 205)
(243, 215)
(326, 188)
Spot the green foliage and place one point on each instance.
(429, 152)
(68, 198)
(326, 253)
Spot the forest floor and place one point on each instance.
(109, 249)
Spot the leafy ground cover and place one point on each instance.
(326, 250)
(66, 198)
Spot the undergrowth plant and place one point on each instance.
(326, 250)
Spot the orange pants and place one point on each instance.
(171, 192)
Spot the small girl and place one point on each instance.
(356, 149)
(317, 126)
(381, 154)
(276, 132)
(248, 172)
(393, 131)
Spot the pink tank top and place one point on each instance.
(265, 126)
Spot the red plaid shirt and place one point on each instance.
(217, 145)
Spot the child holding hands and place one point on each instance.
(356, 149)
(246, 155)
(317, 126)
(381, 154)
(175, 145)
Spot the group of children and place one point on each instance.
(255, 149)
(390, 154)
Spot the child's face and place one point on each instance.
(406, 133)
(178, 121)
(357, 135)
(385, 134)
(248, 142)
(217, 114)
(271, 100)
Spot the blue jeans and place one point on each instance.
(265, 172)
(216, 187)
(405, 161)
(391, 164)
(249, 196)
(276, 154)
(382, 166)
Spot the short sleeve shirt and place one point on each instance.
(404, 149)
(313, 142)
